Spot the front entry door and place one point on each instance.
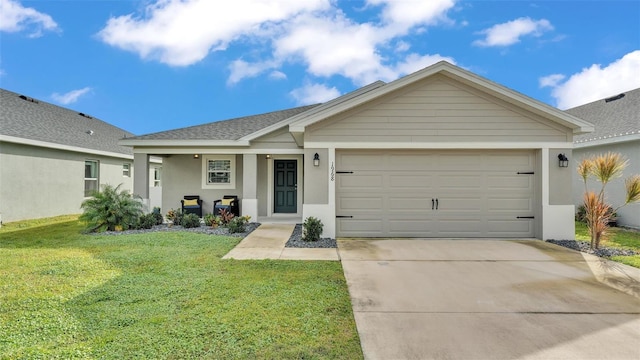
(286, 186)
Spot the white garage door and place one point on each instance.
(447, 194)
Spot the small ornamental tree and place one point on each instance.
(598, 214)
(111, 209)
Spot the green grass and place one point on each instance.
(164, 295)
(618, 238)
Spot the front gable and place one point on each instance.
(436, 109)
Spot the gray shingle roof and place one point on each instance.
(232, 129)
(611, 119)
(46, 122)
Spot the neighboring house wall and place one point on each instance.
(38, 182)
(182, 175)
(615, 191)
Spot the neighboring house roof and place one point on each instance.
(34, 122)
(616, 119)
(240, 131)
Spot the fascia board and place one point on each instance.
(50, 145)
(192, 143)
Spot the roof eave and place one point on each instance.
(190, 143)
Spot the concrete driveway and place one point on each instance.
(488, 299)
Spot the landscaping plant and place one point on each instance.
(598, 213)
(212, 220)
(175, 216)
(111, 209)
(312, 229)
(225, 216)
(157, 214)
(237, 224)
(190, 221)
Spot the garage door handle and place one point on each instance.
(433, 204)
(344, 216)
(436, 204)
(526, 217)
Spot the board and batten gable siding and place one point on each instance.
(437, 109)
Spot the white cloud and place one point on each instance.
(315, 33)
(509, 33)
(277, 75)
(597, 82)
(183, 32)
(70, 97)
(415, 62)
(402, 46)
(551, 80)
(314, 94)
(14, 18)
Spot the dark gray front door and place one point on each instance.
(286, 186)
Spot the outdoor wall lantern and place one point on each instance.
(563, 161)
(196, 156)
(316, 160)
(268, 156)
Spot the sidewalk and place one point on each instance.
(268, 241)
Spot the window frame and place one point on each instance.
(96, 179)
(157, 180)
(232, 172)
(126, 170)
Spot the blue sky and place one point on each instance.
(154, 65)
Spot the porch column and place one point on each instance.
(141, 177)
(250, 185)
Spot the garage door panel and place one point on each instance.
(362, 203)
(522, 206)
(406, 181)
(360, 182)
(479, 193)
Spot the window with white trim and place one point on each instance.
(157, 172)
(218, 172)
(126, 170)
(91, 176)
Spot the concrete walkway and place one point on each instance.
(268, 241)
(489, 299)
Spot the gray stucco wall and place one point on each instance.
(316, 183)
(615, 190)
(263, 190)
(38, 182)
(560, 179)
(182, 176)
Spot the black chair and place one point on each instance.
(192, 204)
(229, 203)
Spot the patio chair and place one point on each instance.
(229, 203)
(192, 204)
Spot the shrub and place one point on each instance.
(225, 216)
(312, 229)
(237, 224)
(111, 209)
(157, 215)
(190, 221)
(581, 214)
(212, 220)
(146, 221)
(175, 216)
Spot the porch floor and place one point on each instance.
(280, 219)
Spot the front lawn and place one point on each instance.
(618, 238)
(164, 295)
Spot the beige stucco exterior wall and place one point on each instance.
(560, 179)
(316, 184)
(182, 176)
(38, 182)
(615, 190)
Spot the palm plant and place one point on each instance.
(604, 168)
(111, 209)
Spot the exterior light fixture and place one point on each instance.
(268, 156)
(563, 161)
(196, 156)
(316, 160)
